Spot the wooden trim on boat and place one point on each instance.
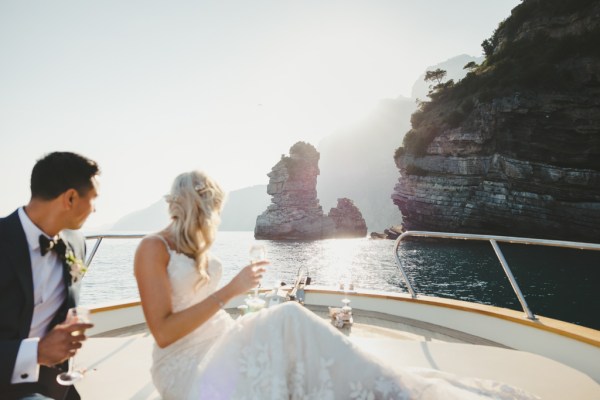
(116, 306)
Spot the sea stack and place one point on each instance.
(348, 220)
(295, 212)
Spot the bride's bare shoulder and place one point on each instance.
(153, 247)
(157, 239)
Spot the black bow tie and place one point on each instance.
(58, 246)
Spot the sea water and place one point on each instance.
(557, 283)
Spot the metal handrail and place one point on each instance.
(101, 236)
(494, 242)
(427, 234)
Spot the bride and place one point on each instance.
(284, 352)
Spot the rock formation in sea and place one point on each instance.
(348, 220)
(514, 147)
(295, 212)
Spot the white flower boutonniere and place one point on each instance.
(77, 267)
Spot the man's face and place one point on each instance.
(83, 206)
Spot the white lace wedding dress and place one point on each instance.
(286, 352)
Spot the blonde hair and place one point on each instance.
(195, 204)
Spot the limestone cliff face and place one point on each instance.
(514, 148)
(295, 212)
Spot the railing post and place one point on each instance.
(512, 280)
(399, 264)
(93, 252)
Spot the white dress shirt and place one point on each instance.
(49, 293)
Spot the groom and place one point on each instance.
(40, 271)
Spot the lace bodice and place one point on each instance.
(179, 358)
(184, 278)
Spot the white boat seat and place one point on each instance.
(119, 367)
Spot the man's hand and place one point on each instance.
(61, 343)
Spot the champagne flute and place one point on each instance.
(74, 315)
(346, 285)
(257, 253)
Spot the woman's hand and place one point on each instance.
(248, 278)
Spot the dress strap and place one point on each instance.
(164, 241)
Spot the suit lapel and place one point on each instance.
(72, 290)
(18, 253)
(67, 278)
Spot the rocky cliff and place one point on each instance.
(295, 212)
(514, 147)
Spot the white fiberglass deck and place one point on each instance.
(118, 366)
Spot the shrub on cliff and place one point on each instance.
(454, 119)
(400, 151)
(303, 156)
(416, 140)
(303, 150)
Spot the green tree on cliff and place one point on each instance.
(437, 76)
(471, 65)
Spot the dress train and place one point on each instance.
(287, 352)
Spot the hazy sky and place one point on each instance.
(153, 88)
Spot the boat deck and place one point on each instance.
(118, 361)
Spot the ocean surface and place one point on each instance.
(556, 283)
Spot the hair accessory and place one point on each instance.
(170, 198)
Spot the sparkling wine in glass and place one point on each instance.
(74, 315)
(257, 253)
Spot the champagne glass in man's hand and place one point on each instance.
(76, 315)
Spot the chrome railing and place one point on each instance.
(100, 237)
(494, 242)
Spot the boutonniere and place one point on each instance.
(76, 265)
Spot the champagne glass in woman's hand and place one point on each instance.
(74, 315)
(257, 253)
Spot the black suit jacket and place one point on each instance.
(16, 304)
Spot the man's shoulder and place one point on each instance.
(9, 220)
(14, 214)
(11, 233)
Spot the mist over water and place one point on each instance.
(557, 283)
